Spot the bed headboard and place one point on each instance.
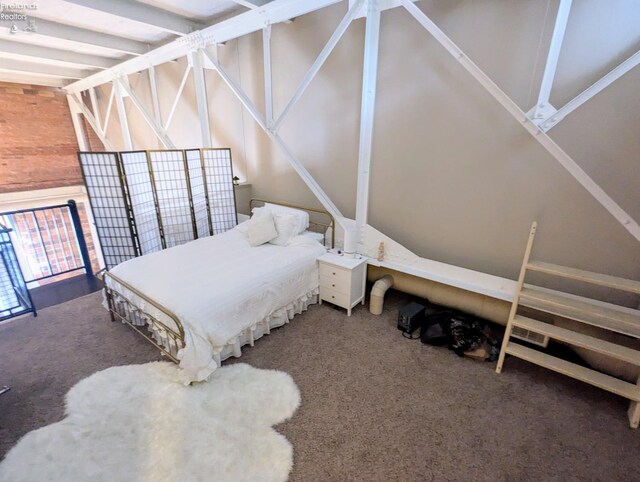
(319, 220)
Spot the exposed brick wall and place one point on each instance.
(38, 147)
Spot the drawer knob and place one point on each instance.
(334, 273)
(332, 296)
(333, 286)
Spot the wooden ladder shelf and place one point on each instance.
(584, 310)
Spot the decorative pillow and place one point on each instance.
(260, 229)
(302, 217)
(287, 226)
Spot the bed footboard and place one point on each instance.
(168, 339)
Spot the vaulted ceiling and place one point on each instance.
(60, 41)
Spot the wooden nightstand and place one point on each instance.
(342, 280)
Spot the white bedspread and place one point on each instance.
(219, 286)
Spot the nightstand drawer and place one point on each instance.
(339, 282)
(335, 278)
(335, 297)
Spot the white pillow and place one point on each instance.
(319, 237)
(287, 226)
(260, 229)
(301, 216)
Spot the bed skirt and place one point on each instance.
(278, 318)
(233, 347)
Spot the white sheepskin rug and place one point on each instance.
(139, 423)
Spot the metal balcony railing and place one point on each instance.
(49, 241)
(14, 296)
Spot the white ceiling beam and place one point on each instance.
(591, 91)
(542, 107)
(382, 5)
(252, 4)
(143, 13)
(543, 139)
(31, 79)
(37, 53)
(245, 23)
(47, 28)
(9, 65)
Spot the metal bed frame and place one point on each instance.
(170, 339)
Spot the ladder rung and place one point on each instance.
(621, 284)
(602, 315)
(587, 375)
(579, 339)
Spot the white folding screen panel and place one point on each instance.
(142, 200)
(145, 201)
(218, 172)
(199, 197)
(109, 205)
(169, 174)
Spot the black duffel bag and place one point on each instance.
(459, 331)
(436, 328)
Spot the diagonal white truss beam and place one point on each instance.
(48, 28)
(174, 105)
(319, 62)
(367, 114)
(591, 91)
(555, 47)
(142, 13)
(245, 23)
(155, 99)
(107, 115)
(77, 106)
(37, 53)
(277, 140)
(95, 108)
(77, 125)
(149, 119)
(562, 157)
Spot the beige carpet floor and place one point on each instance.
(375, 406)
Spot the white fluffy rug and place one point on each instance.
(138, 423)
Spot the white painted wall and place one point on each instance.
(454, 177)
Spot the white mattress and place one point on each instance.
(219, 287)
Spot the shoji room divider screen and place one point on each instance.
(145, 201)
